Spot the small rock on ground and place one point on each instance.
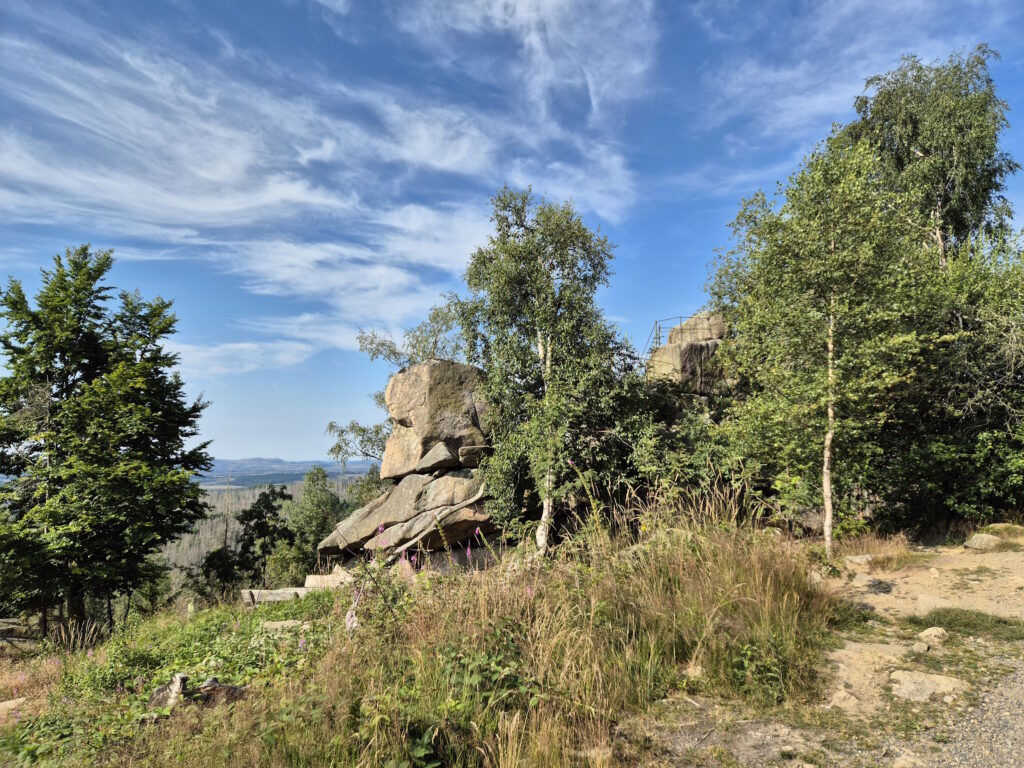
(920, 686)
(12, 705)
(933, 635)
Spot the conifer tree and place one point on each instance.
(94, 438)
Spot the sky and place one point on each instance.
(290, 171)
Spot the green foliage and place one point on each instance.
(263, 528)
(436, 338)
(460, 672)
(277, 541)
(358, 440)
(367, 488)
(94, 425)
(316, 513)
(956, 446)
(557, 375)
(936, 128)
(968, 623)
(824, 292)
(101, 696)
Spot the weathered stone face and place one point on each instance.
(703, 326)
(440, 432)
(687, 355)
(431, 403)
(415, 497)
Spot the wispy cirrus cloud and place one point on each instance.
(305, 184)
(812, 60)
(214, 360)
(602, 48)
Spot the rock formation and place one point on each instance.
(440, 432)
(689, 349)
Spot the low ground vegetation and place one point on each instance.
(530, 663)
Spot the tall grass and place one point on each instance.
(531, 663)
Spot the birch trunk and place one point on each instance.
(826, 464)
(547, 507)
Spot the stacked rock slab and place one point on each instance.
(685, 357)
(440, 432)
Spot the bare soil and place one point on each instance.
(891, 698)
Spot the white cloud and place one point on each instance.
(808, 67)
(603, 48)
(201, 362)
(340, 7)
(362, 199)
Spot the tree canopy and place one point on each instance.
(95, 433)
(553, 364)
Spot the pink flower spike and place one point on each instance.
(477, 531)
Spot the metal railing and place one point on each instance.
(661, 329)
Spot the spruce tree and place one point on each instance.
(94, 438)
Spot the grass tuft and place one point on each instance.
(968, 623)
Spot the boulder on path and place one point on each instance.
(431, 403)
(982, 542)
(921, 686)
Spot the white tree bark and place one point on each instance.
(826, 464)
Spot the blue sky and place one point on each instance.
(288, 171)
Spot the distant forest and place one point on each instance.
(221, 528)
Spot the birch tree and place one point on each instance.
(936, 130)
(533, 324)
(822, 295)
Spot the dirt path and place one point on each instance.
(903, 693)
(992, 734)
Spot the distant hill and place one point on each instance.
(260, 471)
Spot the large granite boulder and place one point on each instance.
(420, 498)
(704, 326)
(687, 355)
(438, 409)
(440, 433)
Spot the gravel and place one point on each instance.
(991, 734)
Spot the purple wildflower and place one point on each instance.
(412, 559)
(477, 531)
(469, 551)
(529, 592)
(380, 529)
(571, 463)
(302, 643)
